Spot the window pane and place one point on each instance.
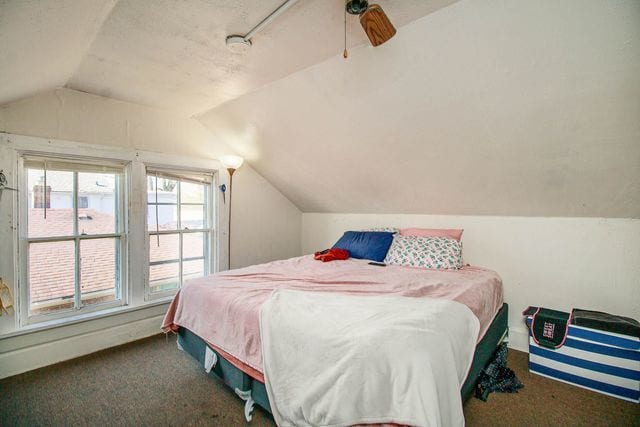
(168, 248)
(167, 217)
(167, 260)
(164, 277)
(98, 264)
(192, 269)
(192, 245)
(167, 190)
(192, 217)
(57, 197)
(96, 203)
(51, 276)
(191, 192)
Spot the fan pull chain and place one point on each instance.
(345, 54)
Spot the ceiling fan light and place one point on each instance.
(377, 25)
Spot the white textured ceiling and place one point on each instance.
(42, 42)
(167, 53)
(482, 108)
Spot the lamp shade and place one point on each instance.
(231, 162)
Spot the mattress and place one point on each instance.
(236, 378)
(223, 308)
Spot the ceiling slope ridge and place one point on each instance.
(92, 34)
(248, 162)
(271, 83)
(175, 112)
(359, 45)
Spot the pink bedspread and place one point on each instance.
(223, 309)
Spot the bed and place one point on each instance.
(201, 312)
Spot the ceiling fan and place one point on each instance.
(374, 21)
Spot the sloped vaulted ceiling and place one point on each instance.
(169, 54)
(480, 107)
(484, 107)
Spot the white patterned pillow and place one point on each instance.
(426, 252)
(385, 229)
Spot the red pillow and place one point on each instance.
(332, 254)
(451, 233)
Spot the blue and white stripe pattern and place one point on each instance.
(596, 360)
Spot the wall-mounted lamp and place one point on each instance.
(231, 163)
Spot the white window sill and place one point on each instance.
(85, 317)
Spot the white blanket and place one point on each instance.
(339, 360)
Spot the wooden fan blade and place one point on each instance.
(376, 25)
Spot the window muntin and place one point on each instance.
(179, 225)
(74, 251)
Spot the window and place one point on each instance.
(179, 220)
(80, 240)
(75, 236)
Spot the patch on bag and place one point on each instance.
(547, 332)
(549, 328)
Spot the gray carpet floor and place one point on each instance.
(151, 383)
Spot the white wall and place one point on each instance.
(562, 263)
(265, 226)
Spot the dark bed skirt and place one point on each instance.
(241, 382)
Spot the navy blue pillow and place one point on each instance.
(372, 245)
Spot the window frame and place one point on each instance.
(13, 146)
(210, 249)
(121, 233)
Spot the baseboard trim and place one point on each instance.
(519, 339)
(38, 356)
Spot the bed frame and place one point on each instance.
(253, 391)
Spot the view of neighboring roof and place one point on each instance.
(62, 181)
(51, 265)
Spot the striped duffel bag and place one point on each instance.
(603, 357)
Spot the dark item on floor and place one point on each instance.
(605, 322)
(548, 327)
(497, 376)
(331, 255)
